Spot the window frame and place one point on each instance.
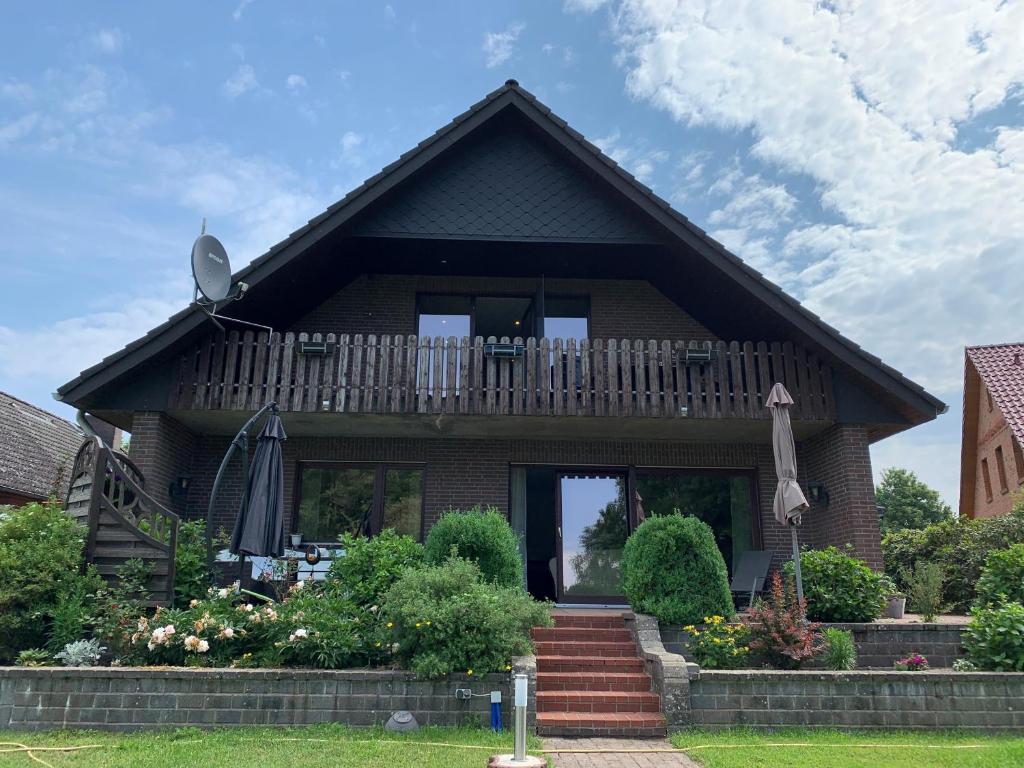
(474, 295)
(986, 478)
(1001, 470)
(380, 470)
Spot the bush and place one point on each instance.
(40, 562)
(191, 576)
(840, 652)
(778, 633)
(717, 644)
(673, 570)
(483, 536)
(924, 588)
(960, 547)
(118, 606)
(370, 567)
(447, 618)
(69, 618)
(994, 638)
(35, 657)
(840, 588)
(81, 653)
(1002, 578)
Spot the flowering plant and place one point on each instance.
(719, 645)
(778, 631)
(913, 663)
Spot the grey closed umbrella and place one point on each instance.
(790, 502)
(259, 530)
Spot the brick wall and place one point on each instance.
(463, 472)
(993, 433)
(817, 699)
(162, 449)
(386, 304)
(135, 699)
(878, 645)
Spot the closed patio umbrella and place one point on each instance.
(790, 502)
(259, 530)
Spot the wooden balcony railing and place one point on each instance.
(406, 375)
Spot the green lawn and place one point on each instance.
(907, 749)
(334, 746)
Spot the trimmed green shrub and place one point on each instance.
(40, 562)
(840, 652)
(1002, 578)
(371, 566)
(924, 588)
(447, 618)
(994, 639)
(483, 536)
(960, 547)
(673, 570)
(191, 576)
(839, 587)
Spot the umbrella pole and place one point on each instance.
(796, 568)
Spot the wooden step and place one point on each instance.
(579, 648)
(585, 634)
(598, 701)
(593, 681)
(563, 663)
(611, 724)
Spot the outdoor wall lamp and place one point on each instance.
(179, 488)
(818, 494)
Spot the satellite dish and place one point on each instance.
(211, 268)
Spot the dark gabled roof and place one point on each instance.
(511, 95)
(37, 449)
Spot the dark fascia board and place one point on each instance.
(627, 185)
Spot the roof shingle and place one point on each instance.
(1001, 368)
(37, 449)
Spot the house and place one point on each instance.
(991, 458)
(37, 449)
(505, 317)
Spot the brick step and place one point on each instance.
(612, 724)
(586, 634)
(592, 620)
(593, 681)
(598, 701)
(581, 648)
(562, 663)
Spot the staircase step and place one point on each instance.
(593, 681)
(598, 702)
(585, 634)
(562, 663)
(580, 648)
(636, 724)
(592, 620)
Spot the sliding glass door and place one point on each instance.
(592, 528)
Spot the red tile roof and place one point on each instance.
(1001, 368)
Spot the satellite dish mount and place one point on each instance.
(211, 270)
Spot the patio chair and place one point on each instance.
(750, 574)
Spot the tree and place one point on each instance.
(906, 502)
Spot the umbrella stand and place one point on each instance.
(240, 444)
(796, 569)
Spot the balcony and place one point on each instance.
(439, 377)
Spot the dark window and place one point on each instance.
(1001, 470)
(987, 479)
(723, 500)
(358, 499)
(567, 317)
(502, 316)
(988, 397)
(1018, 460)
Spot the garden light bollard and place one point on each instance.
(519, 759)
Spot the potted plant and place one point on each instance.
(296, 539)
(896, 601)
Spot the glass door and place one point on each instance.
(592, 527)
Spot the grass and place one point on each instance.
(334, 745)
(888, 749)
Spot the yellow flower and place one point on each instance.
(508, 667)
(377, 645)
(391, 624)
(417, 625)
(428, 623)
(469, 672)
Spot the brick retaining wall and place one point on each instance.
(878, 645)
(126, 699)
(771, 699)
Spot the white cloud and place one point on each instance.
(240, 9)
(108, 40)
(242, 81)
(17, 129)
(635, 157)
(295, 82)
(498, 47)
(389, 12)
(583, 6)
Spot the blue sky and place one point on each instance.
(868, 158)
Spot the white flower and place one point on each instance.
(247, 608)
(151, 645)
(223, 593)
(169, 630)
(227, 633)
(203, 646)
(298, 634)
(373, 609)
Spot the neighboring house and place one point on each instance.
(991, 459)
(635, 354)
(37, 450)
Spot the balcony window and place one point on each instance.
(360, 499)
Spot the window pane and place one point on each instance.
(335, 500)
(403, 501)
(594, 531)
(721, 501)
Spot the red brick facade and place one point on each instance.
(999, 463)
(163, 449)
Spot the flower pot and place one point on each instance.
(895, 607)
(296, 539)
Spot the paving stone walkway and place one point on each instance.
(575, 756)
